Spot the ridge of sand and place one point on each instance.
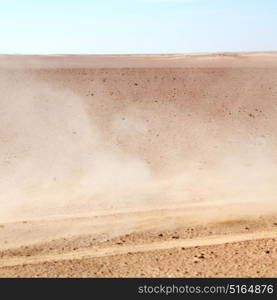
(179, 60)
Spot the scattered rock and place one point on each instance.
(196, 260)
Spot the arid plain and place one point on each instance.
(138, 165)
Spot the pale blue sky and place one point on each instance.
(137, 26)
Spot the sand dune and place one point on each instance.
(97, 148)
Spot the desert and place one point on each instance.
(138, 165)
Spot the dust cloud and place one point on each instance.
(57, 158)
(53, 160)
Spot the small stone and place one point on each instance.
(196, 260)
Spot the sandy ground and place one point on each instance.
(245, 248)
(134, 166)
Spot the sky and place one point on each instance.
(137, 26)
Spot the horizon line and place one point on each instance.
(139, 54)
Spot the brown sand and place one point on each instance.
(158, 165)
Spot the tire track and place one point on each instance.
(119, 250)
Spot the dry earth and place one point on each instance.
(148, 165)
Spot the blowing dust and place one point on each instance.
(55, 158)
